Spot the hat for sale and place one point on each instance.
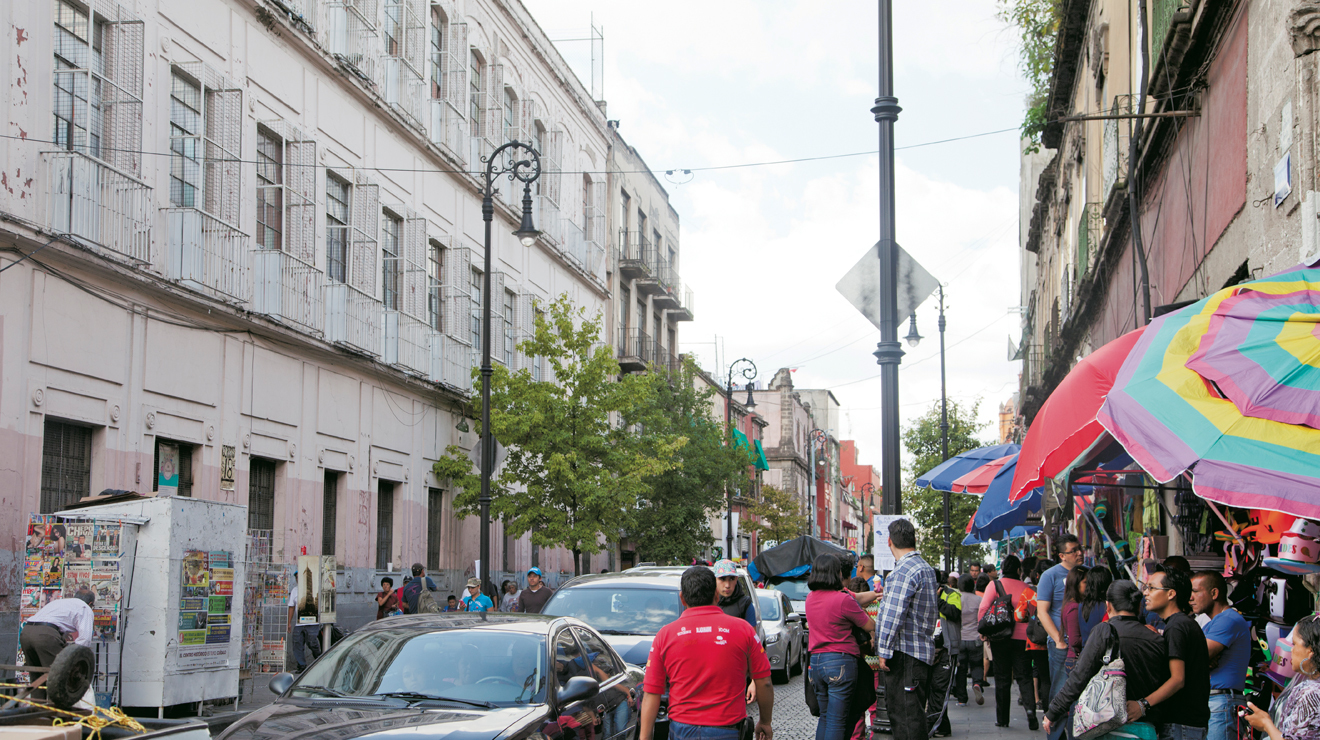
(1267, 527)
(535, 570)
(725, 568)
(474, 583)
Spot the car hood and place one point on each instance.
(632, 648)
(287, 720)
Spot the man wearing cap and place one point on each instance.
(474, 600)
(532, 599)
(703, 659)
(730, 601)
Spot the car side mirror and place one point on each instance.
(794, 617)
(577, 689)
(280, 683)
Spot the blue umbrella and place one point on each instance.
(996, 514)
(1023, 531)
(942, 476)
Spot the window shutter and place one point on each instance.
(414, 266)
(457, 294)
(527, 122)
(122, 98)
(363, 241)
(300, 167)
(455, 68)
(494, 108)
(550, 165)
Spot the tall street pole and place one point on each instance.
(888, 353)
(749, 372)
(944, 441)
(814, 437)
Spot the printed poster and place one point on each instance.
(309, 588)
(77, 576)
(167, 469)
(219, 604)
(192, 637)
(80, 537)
(325, 597)
(217, 634)
(205, 605)
(105, 539)
(222, 581)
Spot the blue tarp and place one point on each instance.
(942, 476)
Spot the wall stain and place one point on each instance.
(21, 35)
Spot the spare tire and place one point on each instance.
(70, 676)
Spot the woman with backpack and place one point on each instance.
(1001, 598)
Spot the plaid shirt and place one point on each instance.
(908, 611)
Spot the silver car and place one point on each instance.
(785, 642)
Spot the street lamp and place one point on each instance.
(747, 369)
(912, 339)
(501, 162)
(868, 490)
(814, 437)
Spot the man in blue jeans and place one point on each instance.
(1228, 641)
(1049, 608)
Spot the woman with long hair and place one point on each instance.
(1073, 590)
(1295, 715)
(1010, 653)
(1091, 611)
(832, 613)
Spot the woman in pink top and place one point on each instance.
(1010, 654)
(832, 613)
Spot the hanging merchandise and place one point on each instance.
(1299, 549)
(1267, 527)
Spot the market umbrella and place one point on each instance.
(996, 514)
(977, 481)
(942, 476)
(1173, 420)
(1022, 531)
(1065, 428)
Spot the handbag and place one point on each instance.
(1102, 707)
(997, 624)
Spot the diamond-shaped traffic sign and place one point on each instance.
(861, 286)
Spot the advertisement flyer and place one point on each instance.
(65, 555)
(205, 605)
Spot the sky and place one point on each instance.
(704, 84)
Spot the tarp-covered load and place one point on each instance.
(793, 558)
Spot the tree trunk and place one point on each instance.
(577, 561)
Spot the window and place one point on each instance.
(641, 224)
(66, 465)
(185, 141)
(625, 215)
(625, 308)
(393, 29)
(601, 656)
(384, 524)
(536, 360)
(434, 502)
(261, 494)
(509, 299)
(641, 314)
(329, 512)
(475, 322)
(511, 132)
(439, 32)
(538, 143)
(391, 266)
(474, 94)
(184, 459)
(270, 196)
(78, 97)
(336, 229)
(435, 267)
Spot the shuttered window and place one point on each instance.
(329, 512)
(384, 524)
(66, 465)
(261, 494)
(434, 501)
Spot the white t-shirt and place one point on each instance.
(293, 602)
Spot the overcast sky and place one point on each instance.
(700, 84)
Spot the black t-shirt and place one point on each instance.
(1186, 642)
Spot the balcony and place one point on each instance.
(449, 130)
(352, 319)
(582, 252)
(636, 256)
(545, 214)
(684, 310)
(635, 349)
(451, 363)
(207, 254)
(406, 343)
(404, 90)
(98, 204)
(287, 289)
(668, 297)
(1115, 153)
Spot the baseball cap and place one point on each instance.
(535, 570)
(725, 568)
(474, 583)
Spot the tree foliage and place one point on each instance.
(922, 440)
(1037, 24)
(576, 466)
(780, 515)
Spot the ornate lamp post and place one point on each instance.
(868, 490)
(814, 438)
(747, 369)
(504, 161)
(913, 338)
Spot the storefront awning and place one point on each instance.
(761, 463)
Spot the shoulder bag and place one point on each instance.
(997, 624)
(1102, 707)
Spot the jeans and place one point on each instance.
(1173, 731)
(1058, 673)
(680, 731)
(905, 696)
(1011, 664)
(1223, 716)
(306, 635)
(833, 675)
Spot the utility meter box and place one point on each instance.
(182, 635)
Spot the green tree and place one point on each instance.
(671, 523)
(1037, 24)
(780, 515)
(921, 438)
(576, 464)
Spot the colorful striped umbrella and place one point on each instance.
(977, 481)
(1223, 389)
(942, 476)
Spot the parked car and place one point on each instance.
(748, 585)
(472, 676)
(785, 642)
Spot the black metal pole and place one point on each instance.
(749, 372)
(888, 353)
(944, 440)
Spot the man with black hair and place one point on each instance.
(903, 631)
(866, 570)
(412, 590)
(1228, 643)
(703, 659)
(1183, 702)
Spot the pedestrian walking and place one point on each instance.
(1228, 642)
(970, 650)
(474, 600)
(1049, 609)
(734, 599)
(1010, 654)
(302, 636)
(702, 660)
(1144, 657)
(1181, 707)
(948, 639)
(387, 601)
(832, 613)
(982, 583)
(532, 599)
(509, 596)
(903, 634)
(412, 590)
(58, 624)
(1295, 715)
(1037, 654)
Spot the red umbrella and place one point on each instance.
(1066, 427)
(978, 480)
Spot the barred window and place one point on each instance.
(261, 494)
(384, 524)
(329, 512)
(538, 315)
(435, 265)
(475, 82)
(78, 97)
(508, 328)
(66, 465)
(336, 229)
(434, 504)
(439, 33)
(391, 266)
(270, 194)
(475, 293)
(185, 141)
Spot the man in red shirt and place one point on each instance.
(703, 659)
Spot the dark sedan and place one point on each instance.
(471, 676)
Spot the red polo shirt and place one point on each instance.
(704, 658)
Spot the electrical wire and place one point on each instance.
(927, 357)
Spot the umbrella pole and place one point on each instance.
(1227, 526)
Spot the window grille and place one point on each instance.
(350, 35)
(512, 116)
(435, 269)
(415, 285)
(286, 188)
(449, 49)
(66, 465)
(474, 309)
(270, 195)
(457, 293)
(329, 512)
(510, 338)
(391, 269)
(535, 361)
(550, 163)
(384, 524)
(337, 221)
(185, 466)
(261, 494)
(402, 82)
(476, 84)
(434, 514)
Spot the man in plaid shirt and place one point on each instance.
(903, 634)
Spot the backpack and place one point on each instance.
(1102, 707)
(426, 603)
(1026, 612)
(997, 624)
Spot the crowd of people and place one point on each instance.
(414, 596)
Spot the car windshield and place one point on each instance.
(468, 665)
(769, 607)
(796, 590)
(623, 609)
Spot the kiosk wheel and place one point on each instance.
(70, 676)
